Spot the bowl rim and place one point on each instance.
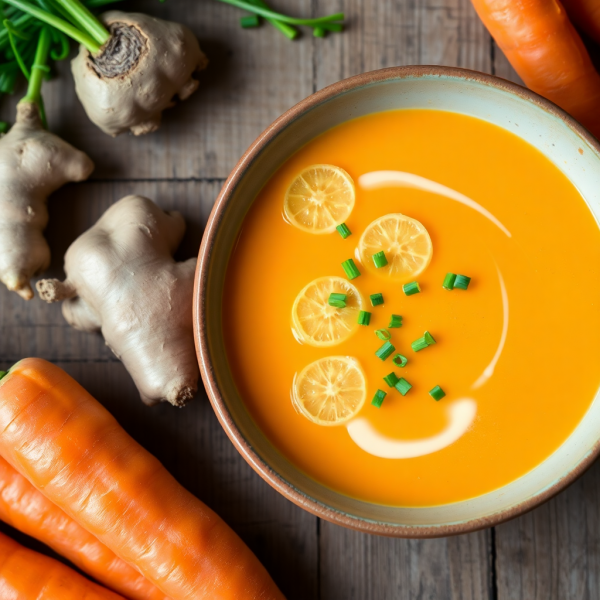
(207, 369)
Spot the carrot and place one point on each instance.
(70, 448)
(29, 511)
(542, 45)
(586, 15)
(27, 575)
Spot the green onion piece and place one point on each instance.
(391, 379)
(437, 393)
(399, 360)
(376, 299)
(379, 259)
(318, 32)
(3, 129)
(429, 338)
(383, 334)
(350, 269)
(462, 282)
(250, 21)
(411, 288)
(3, 374)
(378, 398)
(364, 317)
(343, 230)
(449, 281)
(419, 344)
(385, 351)
(395, 321)
(337, 300)
(403, 386)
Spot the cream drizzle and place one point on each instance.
(461, 414)
(379, 179)
(489, 370)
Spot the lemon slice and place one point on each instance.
(330, 391)
(319, 199)
(316, 323)
(406, 244)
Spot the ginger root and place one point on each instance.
(137, 73)
(33, 164)
(122, 280)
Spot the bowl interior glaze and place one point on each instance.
(575, 152)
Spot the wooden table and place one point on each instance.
(254, 75)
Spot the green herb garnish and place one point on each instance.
(364, 317)
(385, 351)
(337, 300)
(379, 259)
(391, 379)
(462, 282)
(343, 230)
(412, 288)
(376, 299)
(395, 321)
(449, 281)
(378, 398)
(437, 393)
(350, 269)
(383, 334)
(399, 360)
(403, 386)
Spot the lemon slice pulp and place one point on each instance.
(330, 391)
(315, 322)
(319, 199)
(406, 244)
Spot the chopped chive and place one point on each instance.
(3, 374)
(403, 386)
(411, 288)
(250, 21)
(395, 321)
(364, 317)
(449, 281)
(399, 360)
(379, 259)
(337, 300)
(376, 299)
(350, 269)
(343, 230)
(391, 379)
(378, 398)
(383, 334)
(419, 344)
(437, 393)
(462, 282)
(318, 32)
(429, 338)
(385, 351)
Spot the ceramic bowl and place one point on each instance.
(561, 139)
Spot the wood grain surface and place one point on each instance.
(552, 553)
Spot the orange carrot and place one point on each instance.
(586, 15)
(542, 45)
(27, 575)
(72, 450)
(29, 511)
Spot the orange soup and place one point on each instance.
(515, 353)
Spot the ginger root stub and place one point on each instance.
(33, 164)
(137, 73)
(122, 280)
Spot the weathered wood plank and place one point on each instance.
(553, 553)
(254, 76)
(399, 32)
(377, 568)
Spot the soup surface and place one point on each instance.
(518, 348)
